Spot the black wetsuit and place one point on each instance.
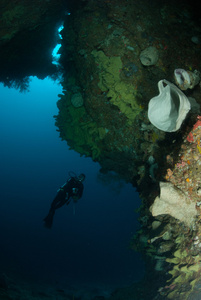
(72, 189)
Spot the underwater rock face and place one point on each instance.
(105, 47)
(174, 202)
(20, 15)
(27, 38)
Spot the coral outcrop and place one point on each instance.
(174, 202)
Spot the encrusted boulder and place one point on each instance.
(172, 201)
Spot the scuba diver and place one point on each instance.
(72, 189)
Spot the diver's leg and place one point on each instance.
(61, 200)
(57, 200)
(48, 220)
(56, 203)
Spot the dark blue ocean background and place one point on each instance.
(89, 242)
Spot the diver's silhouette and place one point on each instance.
(72, 189)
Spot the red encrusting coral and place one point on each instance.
(198, 123)
(190, 138)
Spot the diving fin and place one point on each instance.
(48, 221)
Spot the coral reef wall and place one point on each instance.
(113, 54)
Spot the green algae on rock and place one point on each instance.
(120, 93)
(78, 129)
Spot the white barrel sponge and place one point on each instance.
(149, 56)
(168, 110)
(186, 79)
(77, 100)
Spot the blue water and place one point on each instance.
(88, 246)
